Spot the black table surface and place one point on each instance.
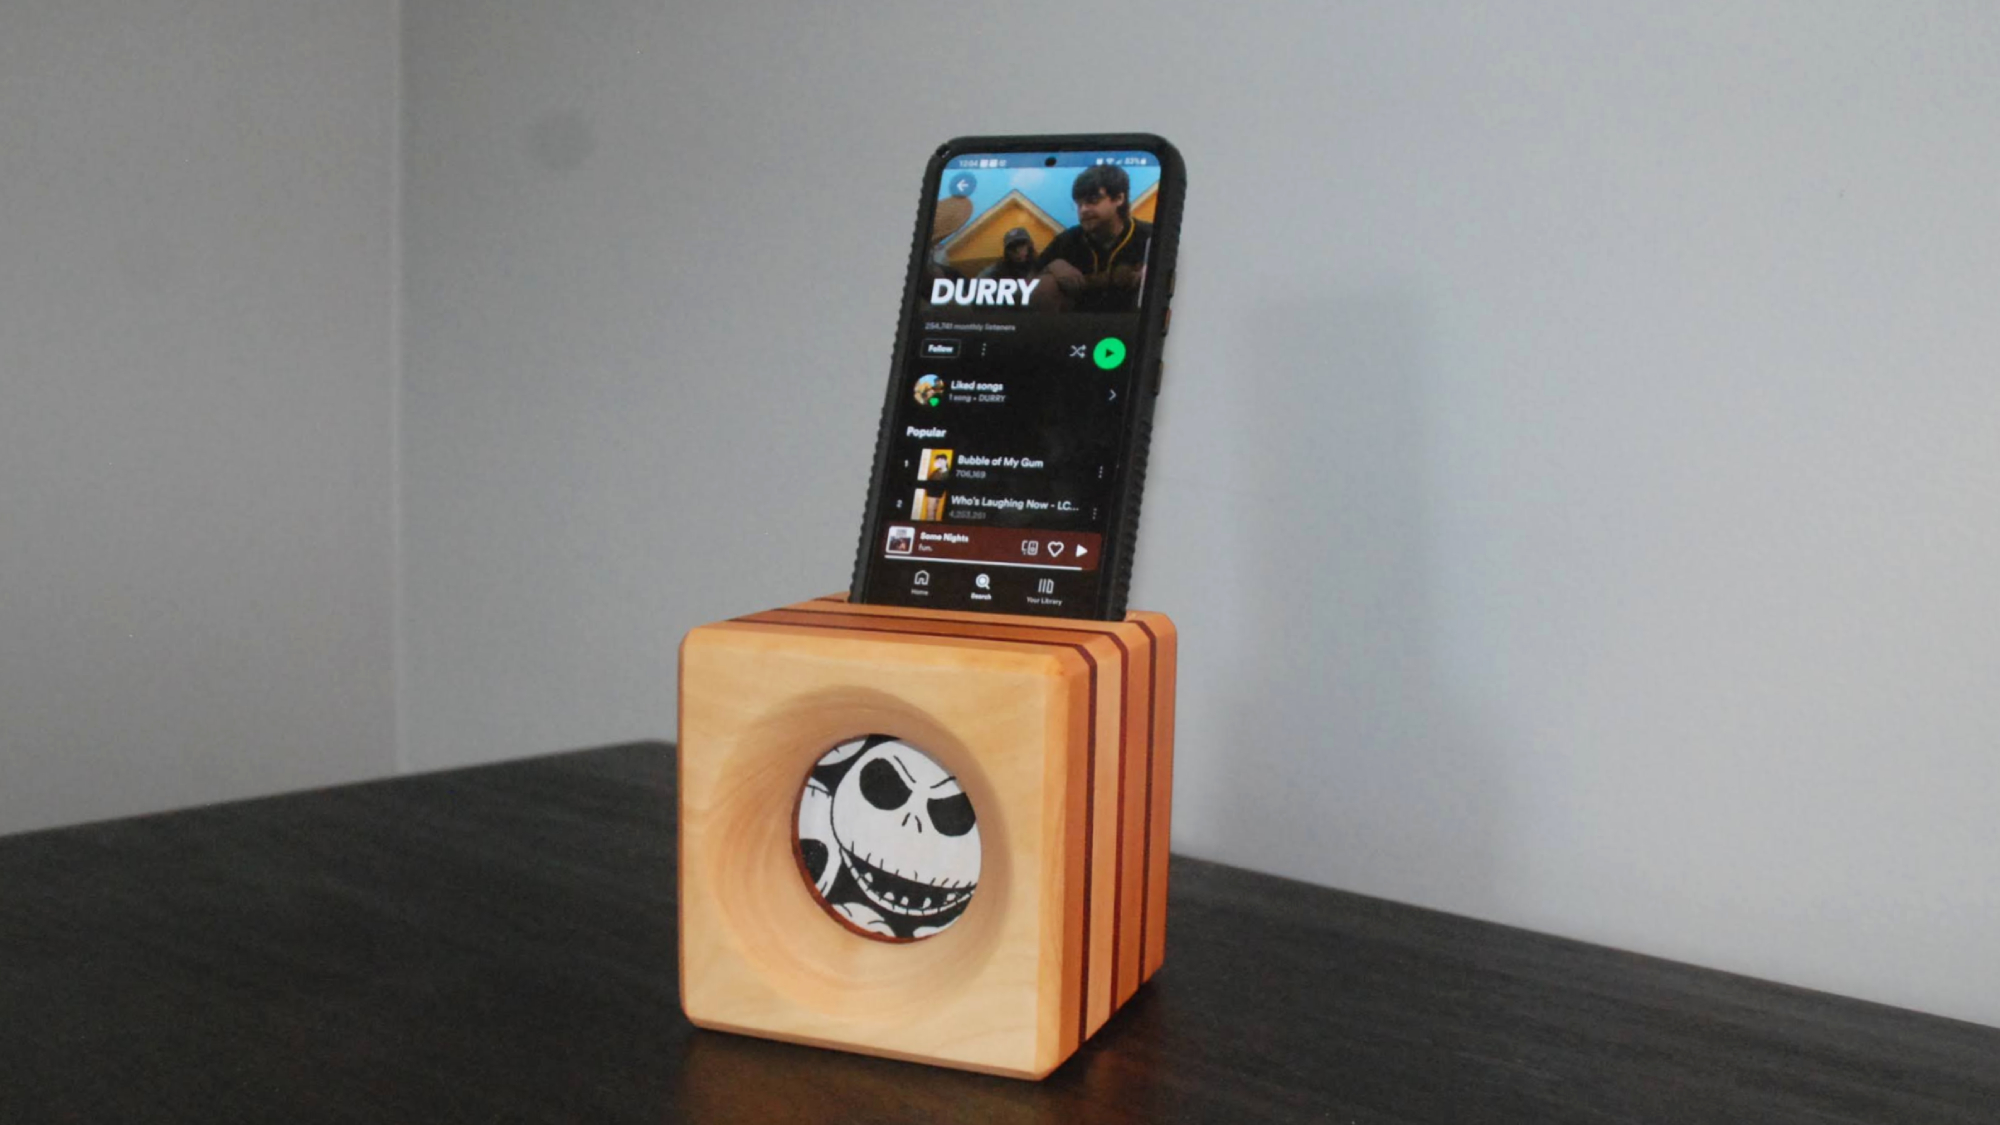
(497, 944)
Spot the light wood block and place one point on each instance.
(1060, 732)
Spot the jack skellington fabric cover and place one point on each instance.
(888, 838)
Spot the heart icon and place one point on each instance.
(1055, 550)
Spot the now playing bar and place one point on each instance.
(994, 546)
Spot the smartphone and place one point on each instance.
(1014, 431)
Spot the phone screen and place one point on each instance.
(1019, 374)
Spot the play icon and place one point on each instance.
(1109, 353)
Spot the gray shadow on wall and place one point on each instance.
(1350, 764)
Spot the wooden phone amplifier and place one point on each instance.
(1059, 732)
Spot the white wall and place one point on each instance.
(1575, 477)
(197, 387)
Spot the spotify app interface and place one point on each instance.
(1017, 377)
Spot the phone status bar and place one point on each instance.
(1019, 160)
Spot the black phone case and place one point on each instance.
(1122, 529)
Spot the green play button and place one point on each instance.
(1109, 352)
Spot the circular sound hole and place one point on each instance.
(887, 839)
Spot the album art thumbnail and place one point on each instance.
(934, 464)
(926, 505)
(1072, 238)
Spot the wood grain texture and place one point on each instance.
(1050, 730)
(1159, 793)
(762, 700)
(498, 944)
(1133, 788)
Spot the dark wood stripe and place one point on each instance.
(1152, 735)
(1089, 852)
(1118, 836)
(967, 617)
(916, 628)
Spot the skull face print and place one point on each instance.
(817, 854)
(905, 831)
(888, 838)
